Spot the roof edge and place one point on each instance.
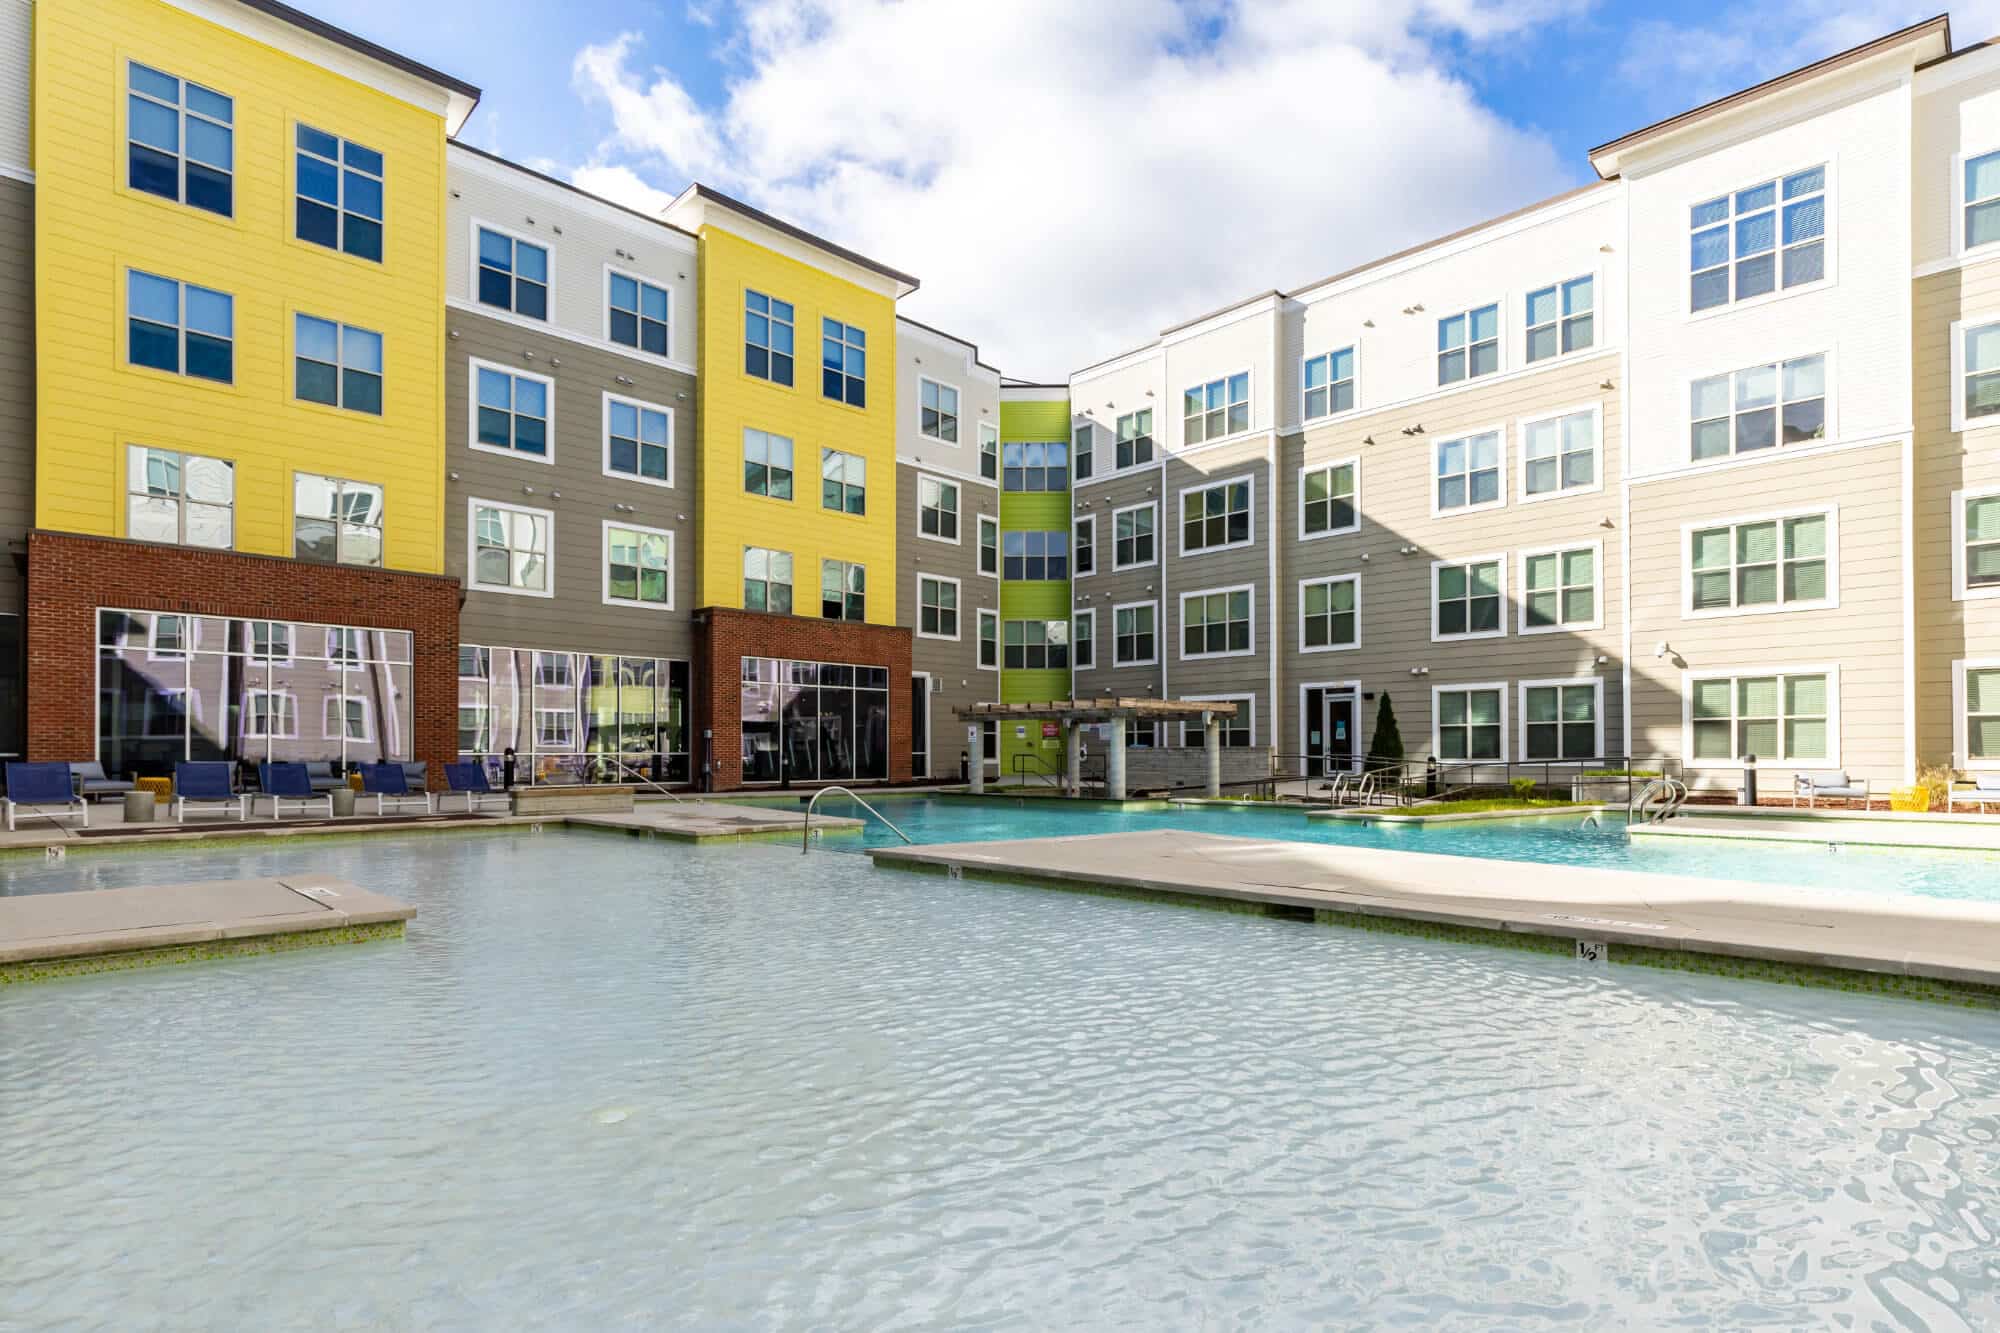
(319, 27)
(798, 233)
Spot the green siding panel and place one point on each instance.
(1034, 601)
(1035, 421)
(1024, 511)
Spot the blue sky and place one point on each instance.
(1067, 178)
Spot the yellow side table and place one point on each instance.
(1910, 800)
(162, 788)
(354, 782)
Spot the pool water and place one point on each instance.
(1558, 839)
(616, 1081)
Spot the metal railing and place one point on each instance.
(1659, 800)
(621, 766)
(1612, 779)
(805, 830)
(1034, 766)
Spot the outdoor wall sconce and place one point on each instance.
(1660, 648)
(1417, 429)
(1368, 439)
(527, 490)
(1602, 659)
(1605, 385)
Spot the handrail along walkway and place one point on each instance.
(805, 831)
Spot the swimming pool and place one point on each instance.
(610, 1080)
(1559, 839)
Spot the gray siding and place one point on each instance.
(1208, 571)
(957, 679)
(17, 379)
(1106, 588)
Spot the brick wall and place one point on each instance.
(724, 637)
(69, 577)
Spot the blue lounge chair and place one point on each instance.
(287, 784)
(385, 783)
(42, 791)
(206, 783)
(469, 780)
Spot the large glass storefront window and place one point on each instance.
(573, 717)
(173, 687)
(814, 721)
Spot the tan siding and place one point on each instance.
(1210, 571)
(954, 667)
(1105, 589)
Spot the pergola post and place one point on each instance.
(1073, 760)
(1114, 761)
(1211, 726)
(975, 742)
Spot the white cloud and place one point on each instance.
(1069, 178)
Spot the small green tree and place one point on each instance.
(1385, 746)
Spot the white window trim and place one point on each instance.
(1503, 313)
(1506, 734)
(473, 366)
(604, 563)
(958, 513)
(1828, 764)
(1596, 550)
(267, 734)
(1960, 423)
(1300, 627)
(983, 614)
(1521, 425)
(190, 637)
(562, 746)
(1958, 206)
(984, 521)
(959, 415)
(605, 425)
(1831, 437)
(1351, 460)
(1440, 441)
(1596, 683)
(1961, 734)
(1180, 646)
(1076, 617)
(1308, 423)
(604, 331)
(1830, 602)
(957, 612)
(1249, 479)
(472, 506)
(1307, 721)
(1247, 709)
(1159, 630)
(1597, 322)
(1078, 521)
(1153, 505)
(999, 465)
(367, 736)
(473, 227)
(1779, 293)
(1111, 433)
(1180, 415)
(1959, 591)
(1499, 557)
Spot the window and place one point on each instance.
(1037, 645)
(1083, 641)
(636, 313)
(336, 522)
(1035, 555)
(1975, 373)
(989, 545)
(346, 718)
(180, 140)
(1132, 537)
(1329, 384)
(510, 549)
(638, 566)
(937, 509)
(179, 327)
(337, 364)
(1975, 554)
(1327, 499)
(1560, 319)
(1235, 732)
(1132, 634)
(1470, 722)
(554, 669)
(343, 646)
(1559, 589)
(339, 201)
(1135, 438)
(511, 411)
(1758, 408)
(1776, 564)
(989, 451)
(1083, 449)
(1560, 719)
(474, 663)
(1470, 471)
(1084, 543)
(937, 607)
(1781, 717)
(475, 728)
(1741, 246)
(1559, 454)
(1469, 344)
(168, 638)
(767, 580)
(555, 729)
(767, 465)
(843, 363)
(1215, 517)
(938, 416)
(767, 338)
(1977, 720)
(1215, 624)
(513, 274)
(270, 641)
(1468, 598)
(180, 498)
(843, 590)
(843, 482)
(638, 440)
(1330, 614)
(1981, 201)
(1216, 409)
(270, 714)
(1035, 467)
(989, 639)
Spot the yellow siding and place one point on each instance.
(90, 229)
(732, 401)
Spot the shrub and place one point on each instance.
(1523, 789)
(1935, 782)
(1385, 746)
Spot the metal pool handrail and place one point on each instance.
(805, 830)
(636, 776)
(1669, 795)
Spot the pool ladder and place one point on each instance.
(1660, 799)
(805, 831)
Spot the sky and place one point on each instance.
(1068, 177)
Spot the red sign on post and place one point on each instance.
(1050, 731)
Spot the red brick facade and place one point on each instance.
(724, 637)
(70, 577)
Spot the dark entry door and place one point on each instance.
(1339, 734)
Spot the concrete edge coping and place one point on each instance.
(315, 914)
(1843, 835)
(1467, 817)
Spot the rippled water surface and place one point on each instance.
(610, 1081)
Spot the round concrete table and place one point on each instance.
(140, 807)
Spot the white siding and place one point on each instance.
(1129, 384)
(1217, 349)
(1957, 116)
(923, 354)
(17, 58)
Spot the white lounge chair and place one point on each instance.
(1985, 791)
(1835, 786)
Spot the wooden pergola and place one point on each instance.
(1119, 713)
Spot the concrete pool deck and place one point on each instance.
(1898, 945)
(1966, 833)
(102, 930)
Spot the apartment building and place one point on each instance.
(17, 358)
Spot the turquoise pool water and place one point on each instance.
(612, 1082)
